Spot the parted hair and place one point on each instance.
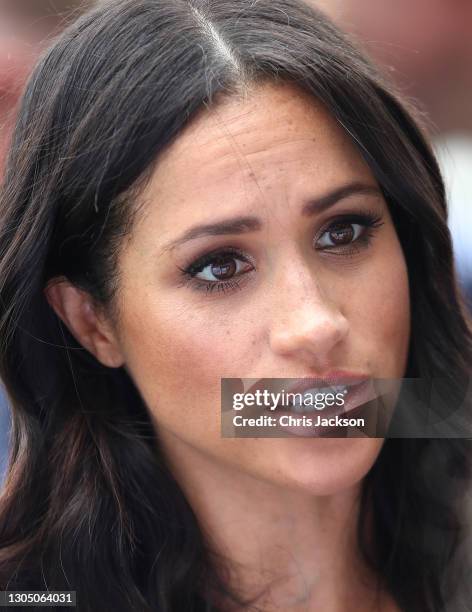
(89, 503)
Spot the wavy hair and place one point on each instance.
(89, 504)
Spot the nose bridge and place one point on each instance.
(306, 314)
(296, 279)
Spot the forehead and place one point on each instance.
(275, 137)
(271, 119)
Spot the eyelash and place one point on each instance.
(369, 221)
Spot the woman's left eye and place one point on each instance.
(340, 234)
(350, 234)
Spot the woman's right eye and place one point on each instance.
(223, 267)
(218, 271)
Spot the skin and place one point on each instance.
(298, 311)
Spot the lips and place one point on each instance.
(353, 395)
(358, 397)
(354, 388)
(333, 382)
(338, 379)
(308, 401)
(366, 399)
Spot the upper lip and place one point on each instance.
(299, 385)
(329, 380)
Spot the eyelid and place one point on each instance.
(198, 264)
(362, 217)
(190, 271)
(370, 220)
(363, 228)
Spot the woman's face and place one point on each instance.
(232, 271)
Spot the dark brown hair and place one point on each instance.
(89, 504)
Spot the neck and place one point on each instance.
(282, 548)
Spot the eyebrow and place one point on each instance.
(241, 225)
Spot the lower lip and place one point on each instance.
(357, 396)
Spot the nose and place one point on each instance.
(307, 320)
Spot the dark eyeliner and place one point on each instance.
(369, 220)
(201, 262)
(189, 272)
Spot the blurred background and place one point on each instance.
(425, 46)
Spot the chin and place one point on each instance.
(325, 466)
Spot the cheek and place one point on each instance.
(176, 357)
(382, 319)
